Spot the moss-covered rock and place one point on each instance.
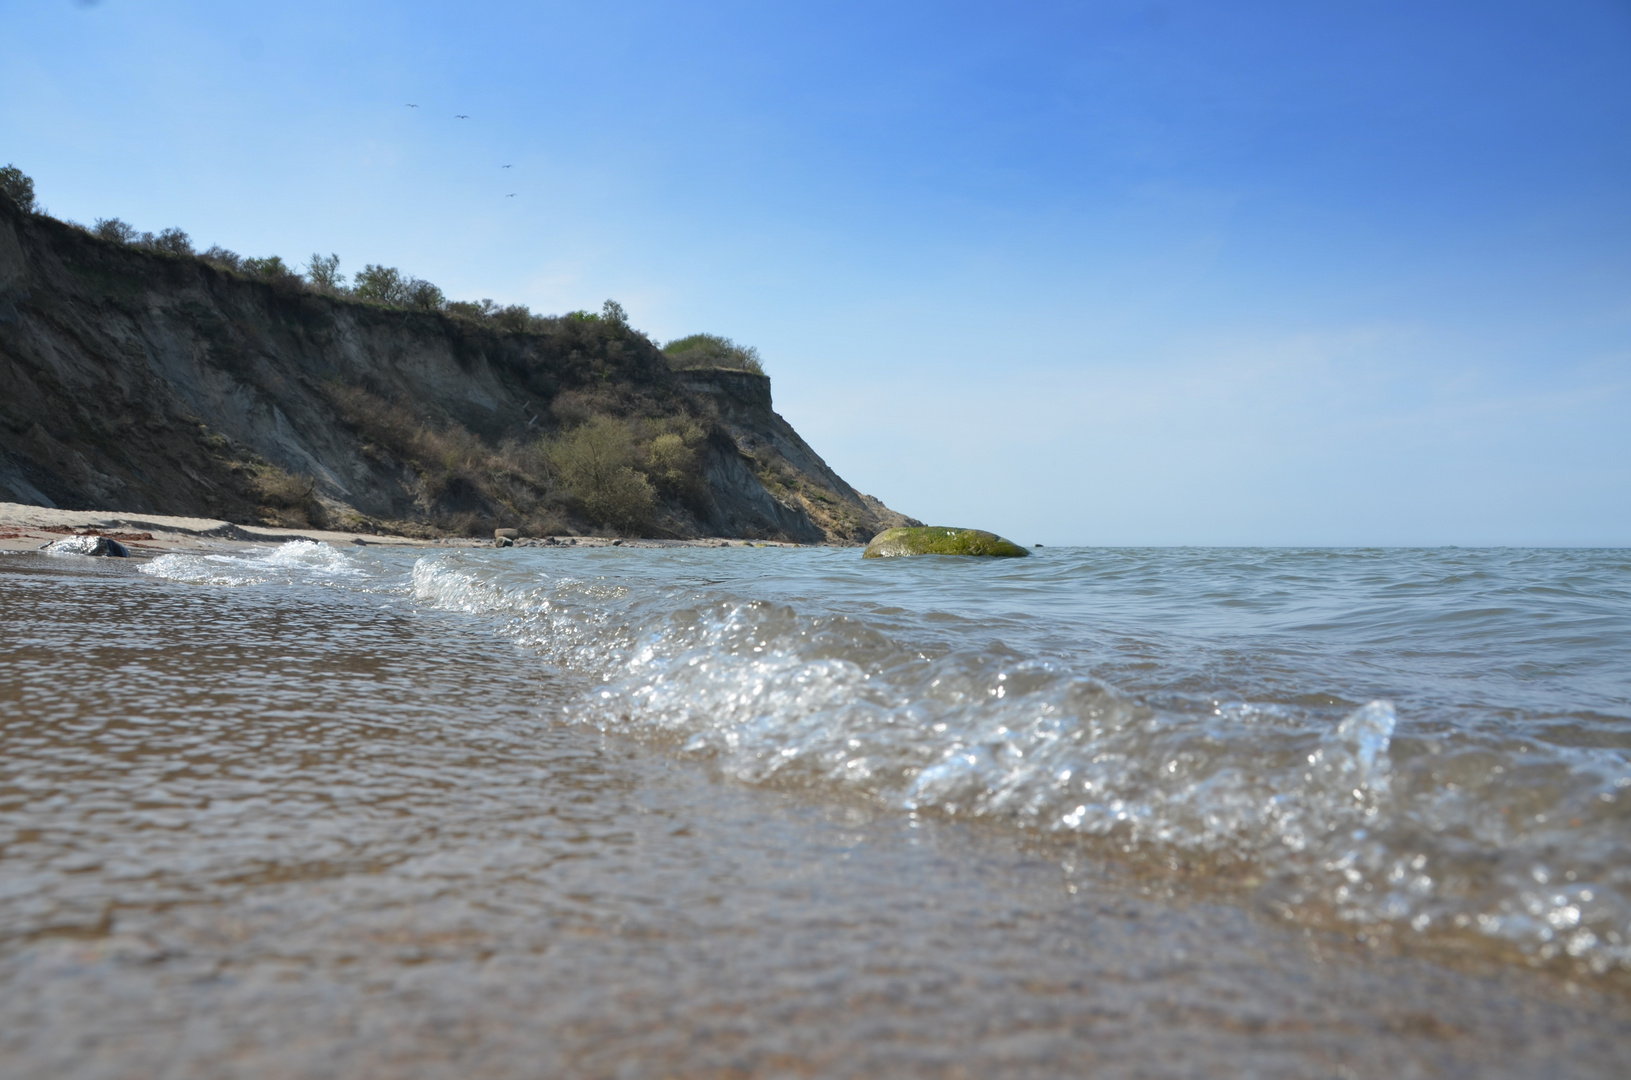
(939, 540)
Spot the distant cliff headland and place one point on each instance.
(138, 374)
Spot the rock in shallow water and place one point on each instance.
(939, 540)
(87, 545)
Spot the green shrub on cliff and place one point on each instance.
(516, 318)
(712, 351)
(172, 242)
(596, 463)
(390, 286)
(219, 256)
(169, 241)
(674, 459)
(272, 268)
(119, 232)
(471, 310)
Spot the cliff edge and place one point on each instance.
(152, 382)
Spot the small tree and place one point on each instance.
(425, 296)
(324, 273)
(612, 312)
(381, 284)
(18, 187)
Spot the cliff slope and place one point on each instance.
(137, 380)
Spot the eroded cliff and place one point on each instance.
(136, 380)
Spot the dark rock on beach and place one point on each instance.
(88, 545)
(940, 540)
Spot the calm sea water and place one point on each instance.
(305, 811)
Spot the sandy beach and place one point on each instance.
(28, 528)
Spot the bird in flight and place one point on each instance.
(505, 166)
(511, 195)
(413, 106)
(460, 116)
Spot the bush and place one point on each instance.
(388, 285)
(469, 309)
(672, 466)
(712, 351)
(571, 408)
(113, 229)
(596, 463)
(674, 462)
(516, 318)
(171, 242)
(272, 268)
(220, 256)
(18, 187)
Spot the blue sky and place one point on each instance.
(1211, 273)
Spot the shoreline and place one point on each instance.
(28, 528)
(329, 827)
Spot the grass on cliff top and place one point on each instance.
(712, 351)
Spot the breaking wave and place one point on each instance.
(298, 561)
(1417, 831)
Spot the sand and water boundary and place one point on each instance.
(29, 528)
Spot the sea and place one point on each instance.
(311, 811)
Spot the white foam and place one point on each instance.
(1313, 802)
(297, 560)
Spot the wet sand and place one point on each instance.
(28, 528)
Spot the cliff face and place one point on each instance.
(783, 463)
(141, 381)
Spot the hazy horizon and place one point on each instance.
(1118, 274)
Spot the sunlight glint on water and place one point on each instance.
(1430, 744)
(1486, 798)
